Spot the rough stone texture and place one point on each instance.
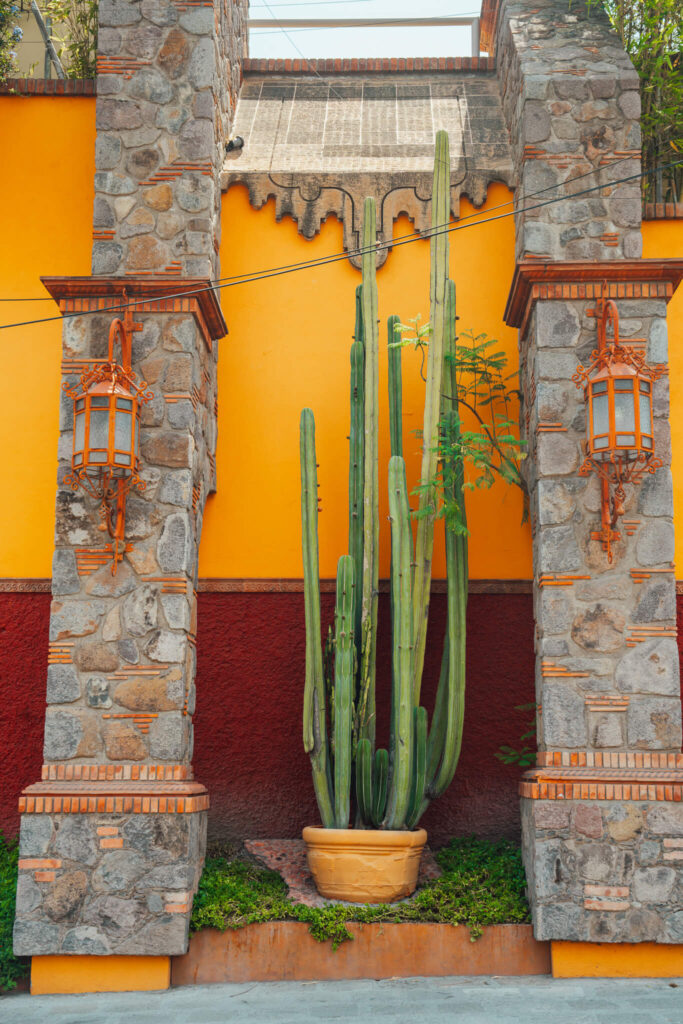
(104, 901)
(635, 890)
(605, 680)
(175, 76)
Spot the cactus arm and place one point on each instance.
(343, 691)
(364, 781)
(356, 460)
(395, 388)
(424, 545)
(315, 731)
(417, 802)
(370, 579)
(402, 704)
(438, 726)
(379, 789)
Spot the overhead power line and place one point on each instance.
(221, 283)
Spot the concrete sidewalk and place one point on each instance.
(418, 1000)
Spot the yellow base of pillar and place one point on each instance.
(616, 960)
(69, 975)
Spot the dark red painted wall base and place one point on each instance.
(248, 749)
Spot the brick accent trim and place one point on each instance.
(77, 294)
(365, 65)
(584, 279)
(114, 798)
(48, 87)
(259, 585)
(116, 772)
(608, 759)
(663, 211)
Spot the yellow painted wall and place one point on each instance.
(287, 348)
(663, 239)
(46, 200)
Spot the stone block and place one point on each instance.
(624, 821)
(653, 885)
(563, 716)
(193, 194)
(202, 64)
(111, 183)
(555, 365)
(29, 896)
(606, 730)
(123, 742)
(176, 611)
(35, 835)
(97, 693)
(76, 839)
(143, 41)
(650, 667)
(596, 862)
(665, 819)
(159, 12)
(95, 656)
(630, 104)
(140, 611)
(555, 611)
(654, 723)
(556, 454)
(63, 685)
(198, 21)
(169, 932)
(551, 815)
(115, 917)
(172, 449)
(175, 547)
(63, 735)
(74, 618)
(557, 921)
(558, 550)
(599, 629)
(35, 938)
(146, 253)
(174, 54)
(658, 343)
(114, 13)
(149, 84)
(85, 940)
(176, 488)
(106, 257)
(178, 373)
(118, 871)
(166, 646)
(111, 627)
(655, 543)
(587, 820)
(145, 694)
(167, 737)
(655, 495)
(66, 896)
(168, 877)
(181, 415)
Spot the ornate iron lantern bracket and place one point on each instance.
(619, 445)
(106, 449)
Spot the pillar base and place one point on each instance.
(71, 975)
(616, 960)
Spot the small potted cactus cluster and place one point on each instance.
(371, 799)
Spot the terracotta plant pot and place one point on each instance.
(364, 865)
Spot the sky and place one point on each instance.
(449, 41)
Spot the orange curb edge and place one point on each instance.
(616, 960)
(69, 975)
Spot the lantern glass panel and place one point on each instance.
(600, 415)
(99, 428)
(624, 411)
(79, 432)
(99, 402)
(645, 412)
(123, 431)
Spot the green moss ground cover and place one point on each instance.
(482, 883)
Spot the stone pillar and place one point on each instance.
(602, 823)
(112, 837)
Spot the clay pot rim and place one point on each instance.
(364, 837)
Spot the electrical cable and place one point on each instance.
(415, 235)
(279, 271)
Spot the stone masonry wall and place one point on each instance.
(602, 864)
(168, 78)
(571, 101)
(112, 838)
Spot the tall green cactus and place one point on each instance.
(392, 788)
(370, 579)
(315, 727)
(424, 545)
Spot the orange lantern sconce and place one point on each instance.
(619, 445)
(106, 449)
